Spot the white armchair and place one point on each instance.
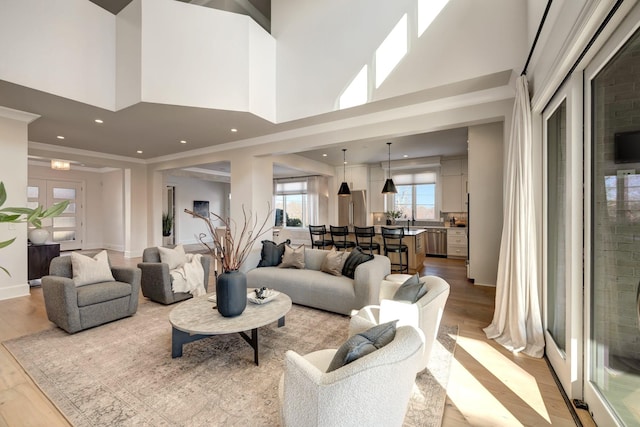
(373, 390)
(424, 314)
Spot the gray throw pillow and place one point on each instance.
(356, 257)
(272, 253)
(411, 290)
(362, 344)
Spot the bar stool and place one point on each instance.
(339, 236)
(364, 239)
(319, 241)
(392, 238)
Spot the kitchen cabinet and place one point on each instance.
(376, 182)
(453, 179)
(457, 242)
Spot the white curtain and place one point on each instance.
(517, 321)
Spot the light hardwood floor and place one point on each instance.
(489, 386)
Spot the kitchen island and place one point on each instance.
(413, 238)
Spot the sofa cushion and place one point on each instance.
(411, 290)
(88, 270)
(356, 257)
(101, 292)
(333, 262)
(175, 257)
(363, 343)
(293, 258)
(272, 253)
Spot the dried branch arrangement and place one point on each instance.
(229, 249)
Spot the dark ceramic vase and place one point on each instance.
(231, 293)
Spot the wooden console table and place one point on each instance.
(39, 258)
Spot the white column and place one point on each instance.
(13, 164)
(251, 188)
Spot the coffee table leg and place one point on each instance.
(281, 322)
(178, 338)
(253, 342)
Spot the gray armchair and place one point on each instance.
(74, 308)
(156, 280)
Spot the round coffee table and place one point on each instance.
(198, 318)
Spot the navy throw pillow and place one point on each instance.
(356, 257)
(272, 253)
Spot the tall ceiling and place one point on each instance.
(158, 130)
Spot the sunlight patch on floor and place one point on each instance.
(519, 381)
(477, 404)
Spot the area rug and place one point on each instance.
(122, 373)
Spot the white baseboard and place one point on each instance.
(14, 291)
(133, 254)
(117, 248)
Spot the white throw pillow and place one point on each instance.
(87, 270)
(175, 257)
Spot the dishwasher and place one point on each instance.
(437, 242)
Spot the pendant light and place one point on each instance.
(344, 187)
(389, 186)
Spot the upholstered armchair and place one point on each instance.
(373, 390)
(424, 314)
(74, 307)
(156, 280)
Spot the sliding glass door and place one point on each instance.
(612, 362)
(562, 290)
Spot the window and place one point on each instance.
(416, 201)
(416, 197)
(290, 203)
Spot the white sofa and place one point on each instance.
(314, 288)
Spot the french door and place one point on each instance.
(66, 228)
(563, 267)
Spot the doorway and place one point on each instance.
(65, 229)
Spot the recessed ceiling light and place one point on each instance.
(139, 151)
(234, 130)
(99, 121)
(405, 155)
(324, 155)
(60, 137)
(182, 141)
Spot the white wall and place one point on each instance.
(323, 45)
(13, 145)
(201, 57)
(187, 190)
(129, 52)
(64, 47)
(167, 52)
(485, 205)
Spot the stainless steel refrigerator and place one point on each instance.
(352, 210)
